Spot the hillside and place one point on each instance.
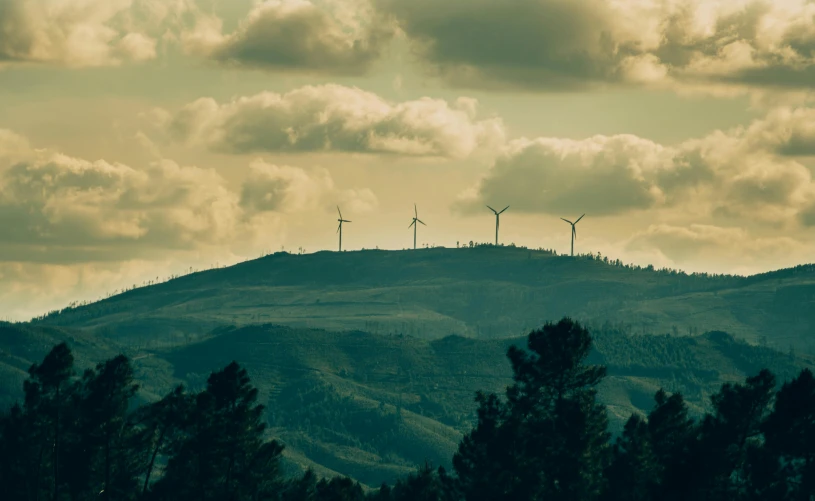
(374, 406)
(481, 292)
(369, 360)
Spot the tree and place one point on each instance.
(549, 439)
(19, 454)
(108, 432)
(789, 432)
(426, 484)
(46, 393)
(222, 454)
(303, 488)
(633, 473)
(671, 432)
(339, 489)
(721, 452)
(162, 422)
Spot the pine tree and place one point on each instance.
(162, 422)
(339, 489)
(790, 440)
(47, 392)
(426, 484)
(721, 453)
(223, 455)
(116, 459)
(549, 439)
(303, 488)
(633, 474)
(671, 432)
(18, 454)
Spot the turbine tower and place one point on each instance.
(497, 217)
(339, 228)
(415, 220)
(574, 232)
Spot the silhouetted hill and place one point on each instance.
(482, 292)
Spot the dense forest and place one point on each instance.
(85, 436)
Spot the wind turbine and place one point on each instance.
(574, 232)
(339, 228)
(415, 220)
(497, 217)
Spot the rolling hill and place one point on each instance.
(481, 292)
(375, 406)
(369, 361)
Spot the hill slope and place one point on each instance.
(483, 292)
(374, 406)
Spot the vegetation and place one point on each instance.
(84, 436)
(483, 291)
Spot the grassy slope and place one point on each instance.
(484, 292)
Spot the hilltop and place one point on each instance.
(482, 292)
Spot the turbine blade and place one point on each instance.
(490, 208)
(567, 221)
(505, 208)
(338, 210)
(578, 219)
(346, 221)
(338, 228)
(415, 211)
(411, 224)
(574, 232)
(421, 221)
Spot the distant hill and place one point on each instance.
(482, 292)
(369, 360)
(374, 406)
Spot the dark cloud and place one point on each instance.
(566, 44)
(521, 43)
(298, 35)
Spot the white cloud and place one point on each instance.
(57, 208)
(715, 246)
(336, 118)
(748, 173)
(289, 189)
(84, 33)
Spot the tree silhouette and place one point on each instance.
(549, 439)
(47, 390)
(633, 474)
(223, 455)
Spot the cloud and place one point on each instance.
(714, 245)
(58, 208)
(288, 189)
(748, 173)
(296, 35)
(335, 118)
(563, 44)
(84, 33)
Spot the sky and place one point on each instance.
(143, 138)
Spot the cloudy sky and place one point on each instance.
(139, 138)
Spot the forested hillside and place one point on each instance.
(83, 435)
(483, 292)
(373, 406)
